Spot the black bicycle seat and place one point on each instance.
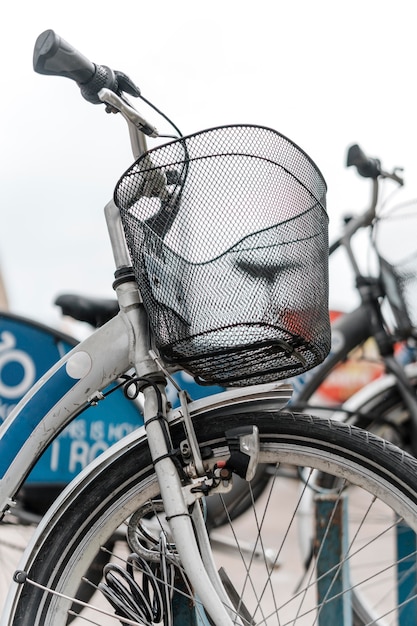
(94, 311)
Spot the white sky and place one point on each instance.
(326, 73)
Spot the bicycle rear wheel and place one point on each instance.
(371, 505)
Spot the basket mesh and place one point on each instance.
(227, 232)
(397, 250)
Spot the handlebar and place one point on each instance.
(369, 167)
(56, 57)
(99, 84)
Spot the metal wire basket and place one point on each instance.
(227, 231)
(396, 244)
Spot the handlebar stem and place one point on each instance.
(138, 126)
(137, 141)
(357, 223)
(120, 104)
(117, 237)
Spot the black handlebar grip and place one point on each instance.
(367, 167)
(55, 57)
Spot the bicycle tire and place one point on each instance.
(379, 407)
(375, 474)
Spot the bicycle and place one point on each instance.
(154, 483)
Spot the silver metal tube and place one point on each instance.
(117, 237)
(137, 141)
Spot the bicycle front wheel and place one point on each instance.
(362, 523)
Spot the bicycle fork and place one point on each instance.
(184, 514)
(202, 576)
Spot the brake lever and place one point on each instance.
(130, 114)
(126, 84)
(394, 176)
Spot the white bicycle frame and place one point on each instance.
(77, 381)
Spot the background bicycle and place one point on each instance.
(386, 290)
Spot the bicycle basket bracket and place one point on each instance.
(227, 231)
